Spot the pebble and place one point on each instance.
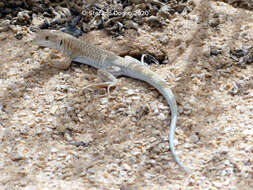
(16, 157)
(156, 132)
(104, 101)
(161, 116)
(53, 150)
(130, 92)
(37, 21)
(19, 36)
(5, 25)
(248, 132)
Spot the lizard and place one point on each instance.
(109, 66)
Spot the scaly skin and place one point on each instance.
(91, 55)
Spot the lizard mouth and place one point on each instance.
(38, 40)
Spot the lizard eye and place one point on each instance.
(47, 37)
(60, 42)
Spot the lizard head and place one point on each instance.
(48, 38)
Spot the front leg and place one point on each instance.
(59, 60)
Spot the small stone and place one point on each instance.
(4, 25)
(130, 92)
(136, 151)
(161, 116)
(16, 157)
(156, 132)
(214, 51)
(53, 150)
(104, 101)
(164, 39)
(91, 171)
(37, 22)
(248, 132)
(16, 29)
(126, 167)
(164, 12)
(28, 61)
(53, 109)
(154, 21)
(214, 23)
(194, 138)
(19, 36)
(131, 24)
(135, 97)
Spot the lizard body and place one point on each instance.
(109, 63)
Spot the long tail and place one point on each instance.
(143, 73)
(163, 88)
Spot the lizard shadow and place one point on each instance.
(14, 95)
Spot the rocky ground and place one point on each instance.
(54, 134)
